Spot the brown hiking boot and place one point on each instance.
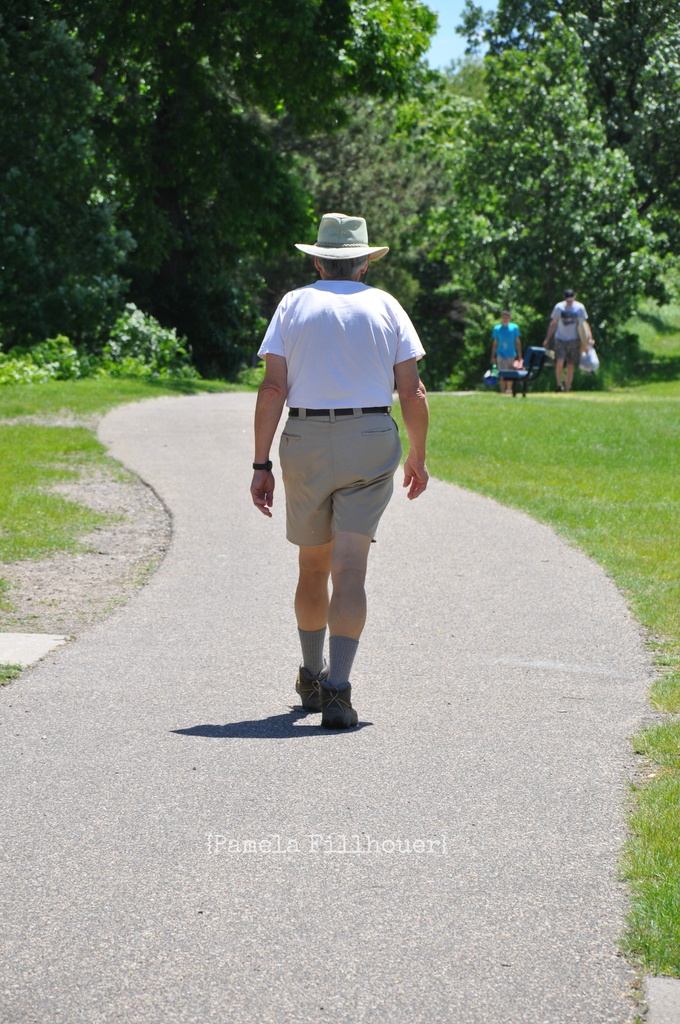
(336, 707)
(307, 686)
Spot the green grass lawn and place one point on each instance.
(602, 468)
(658, 328)
(92, 396)
(35, 521)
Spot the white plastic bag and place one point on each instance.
(589, 361)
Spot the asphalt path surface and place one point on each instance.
(180, 845)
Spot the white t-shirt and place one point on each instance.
(341, 341)
(567, 319)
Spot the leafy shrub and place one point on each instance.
(251, 376)
(139, 347)
(54, 359)
(21, 371)
(57, 356)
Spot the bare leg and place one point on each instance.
(311, 596)
(346, 618)
(559, 367)
(347, 612)
(570, 376)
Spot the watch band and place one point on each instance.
(263, 465)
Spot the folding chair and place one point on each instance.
(534, 360)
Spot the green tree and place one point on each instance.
(540, 202)
(389, 161)
(59, 250)
(193, 94)
(631, 52)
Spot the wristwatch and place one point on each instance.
(263, 465)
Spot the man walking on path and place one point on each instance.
(334, 351)
(564, 324)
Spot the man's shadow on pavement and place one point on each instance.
(295, 724)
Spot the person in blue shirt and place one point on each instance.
(506, 348)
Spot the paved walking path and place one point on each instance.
(178, 845)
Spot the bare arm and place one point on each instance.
(588, 331)
(271, 398)
(416, 414)
(551, 331)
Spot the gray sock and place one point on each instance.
(343, 651)
(312, 641)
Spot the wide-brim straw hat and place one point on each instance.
(343, 238)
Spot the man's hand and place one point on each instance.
(415, 477)
(262, 491)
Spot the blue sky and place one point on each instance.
(447, 45)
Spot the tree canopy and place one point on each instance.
(541, 201)
(168, 153)
(631, 53)
(60, 250)
(172, 111)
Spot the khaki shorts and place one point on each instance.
(505, 362)
(569, 351)
(338, 476)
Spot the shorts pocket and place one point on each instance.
(381, 447)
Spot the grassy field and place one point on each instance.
(658, 329)
(39, 451)
(601, 468)
(604, 471)
(34, 520)
(92, 396)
